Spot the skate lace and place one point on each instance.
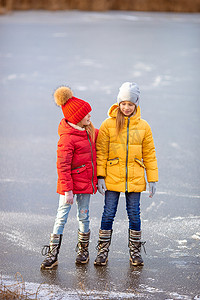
(47, 251)
(136, 248)
(142, 244)
(81, 249)
(102, 248)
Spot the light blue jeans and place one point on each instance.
(83, 202)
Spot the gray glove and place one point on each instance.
(101, 186)
(152, 189)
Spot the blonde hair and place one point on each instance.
(91, 130)
(120, 119)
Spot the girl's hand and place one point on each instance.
(69, 197)
(152, 189)
(102, 186)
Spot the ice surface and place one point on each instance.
(95, 53)
(47, 292)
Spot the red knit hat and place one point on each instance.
(74, 109)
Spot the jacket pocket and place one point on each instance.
(138, 172)
(140, 163)
(112, 162)
(80, 178)
(113, 171)
(79, 169)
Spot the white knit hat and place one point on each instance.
(129, 91)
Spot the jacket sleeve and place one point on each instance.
(102, 147)
(64, 161)
(149, 156)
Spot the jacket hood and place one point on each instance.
(112, 112)
(64, 128)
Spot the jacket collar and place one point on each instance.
(112, 113)
(76, 126)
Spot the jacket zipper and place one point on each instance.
(140, 163)
(78, 167)
(127, 140)
(113, 159)
(92, 161)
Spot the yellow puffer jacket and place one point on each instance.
(122, 159)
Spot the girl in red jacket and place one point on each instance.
(76, 167)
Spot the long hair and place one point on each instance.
(91, 130)
(120, 119)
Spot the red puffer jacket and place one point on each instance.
(76, 161)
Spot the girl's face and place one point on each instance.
(85, 121)
(127, 108)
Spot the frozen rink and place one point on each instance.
(94, 53)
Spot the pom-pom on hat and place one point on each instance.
(74, 109)
(129, 91)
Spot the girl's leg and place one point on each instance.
(105, 233)
(51, 251)
(62, 215)
(110, 209)
(133, 210)
(83, 202)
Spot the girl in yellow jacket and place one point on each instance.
(125, 150)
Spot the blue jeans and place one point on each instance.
(82, 201)
(110, 209)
